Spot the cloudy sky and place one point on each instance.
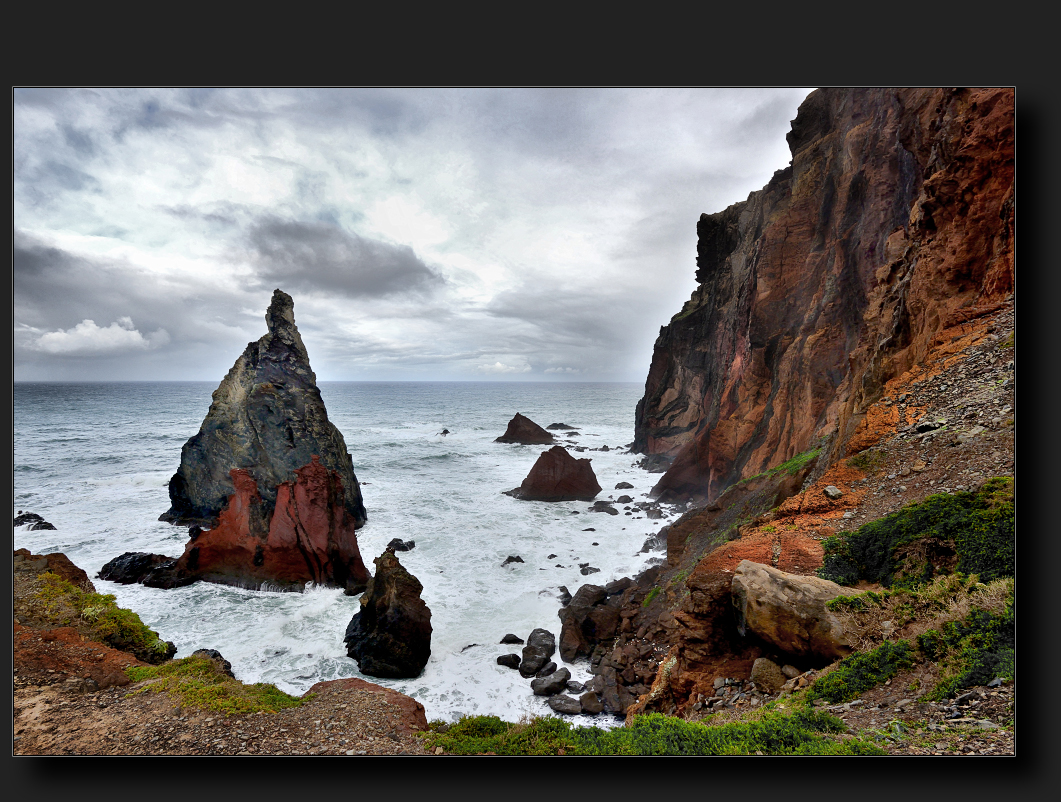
(465, 234)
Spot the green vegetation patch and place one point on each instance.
(98, 615)
(802, 732)
(972, 651)
(867, 461)
(860, 672)
(790, 466)
(651, 595)
(975, 528)
(200, 682)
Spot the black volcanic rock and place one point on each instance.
(391, 635)
(267, 417)
(152, 570)
(522, 429)
(35, 521)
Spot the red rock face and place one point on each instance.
(310, 536)
(894, 221)
(557, 476)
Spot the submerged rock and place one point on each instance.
(391, 634)
(522, 429)
(268, 419)
(34, 521)
(557, 476)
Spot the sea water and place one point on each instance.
(95, 461)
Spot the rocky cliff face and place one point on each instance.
(267, 419)
(893, 222)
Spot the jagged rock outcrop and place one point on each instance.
(522, 429)
(390, 636)
(267, 419)
(557, 476)
(894, 221)
(269, 475)
(34, 521)
(152, 570)
(788, 611)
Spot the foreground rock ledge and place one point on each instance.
(557, 476)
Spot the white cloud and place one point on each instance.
(86, 338)
(564, 370)
(499, 367)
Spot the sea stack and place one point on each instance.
(524, 431)
(270, 475)
(391, 635)
(557, 476)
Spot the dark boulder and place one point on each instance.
(624, 486)
(397, 544)
(563, 426)
(524, 431)
(541, 645)
(509, 660)
(557, 476)
(152, 570)
(604, 506)
(591, 703)
(391, 635)
(510, 638)
(34, 521)
(552, 683)
(562, 703)
(512, 558)
(546, 670)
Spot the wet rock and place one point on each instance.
(565, 596)
(523, 430)
(557, 476)
(512, 558)
(397, 544)
(591, 703)
(391, 634)
(624, 486)
(541, 645)
(623, 500)
(31, 519)
(562, 703)
(509, 660)
(586, 570)
(510, 638)
(552, 683)
(604, 506)
(563, 426)
(152, 570)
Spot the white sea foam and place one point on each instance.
(94, 460)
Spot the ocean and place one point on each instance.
(95, 460)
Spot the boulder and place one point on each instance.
(788, 611)
(268, 419)
(557, 476)
(391, 634)
(604, 506)
(215, 655)
(541, 645)
(563, 426)
(624, 486)
(31, 519)
(152, 570)
(767, 675)
(562, 703)
(510, 638)
(551, 683)
(591, 616)
(591, 703)
(512, 558)
(397, 544)
(509, 660)
(525, 431)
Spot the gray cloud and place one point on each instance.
(319, 256)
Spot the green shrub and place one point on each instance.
(858, 673)
(102, 619)
(978, 526)
(802, 732)
(651, 595)
(199, 682)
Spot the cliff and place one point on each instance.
(268, 419)
(893, 223)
